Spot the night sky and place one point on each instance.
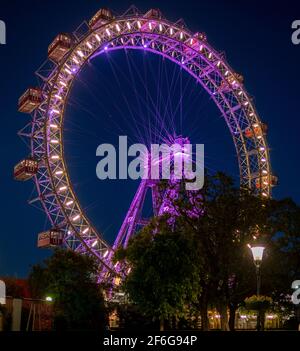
(105, 103)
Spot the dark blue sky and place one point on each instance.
(257, 40)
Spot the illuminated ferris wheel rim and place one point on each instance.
(192, 52)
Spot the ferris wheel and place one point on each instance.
(67, 55)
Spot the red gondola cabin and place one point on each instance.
(260, 182)
(258, 130)
(101, 17)
(59, 47)
(30, 100)
(153, 13)
(200, 36)
(25, 169)
(49, 239)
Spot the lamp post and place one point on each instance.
(257, 252)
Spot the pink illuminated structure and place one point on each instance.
(132, 30)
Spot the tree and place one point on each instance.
(38, 281)
(218, 222)
(260, 304)
(230, 218)
(233, 217)
(282, 266)
(131, 318)
(164, 275)
(70, 279)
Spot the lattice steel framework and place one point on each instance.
(133, 30)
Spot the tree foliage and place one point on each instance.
(164, 270)
(70, 279)
(258, 303)
(201, 261)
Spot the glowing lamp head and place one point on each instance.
(49, 299)
(257, 252)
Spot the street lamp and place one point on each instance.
(257, 252)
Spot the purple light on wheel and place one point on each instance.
(52, 111)
(209, 70)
